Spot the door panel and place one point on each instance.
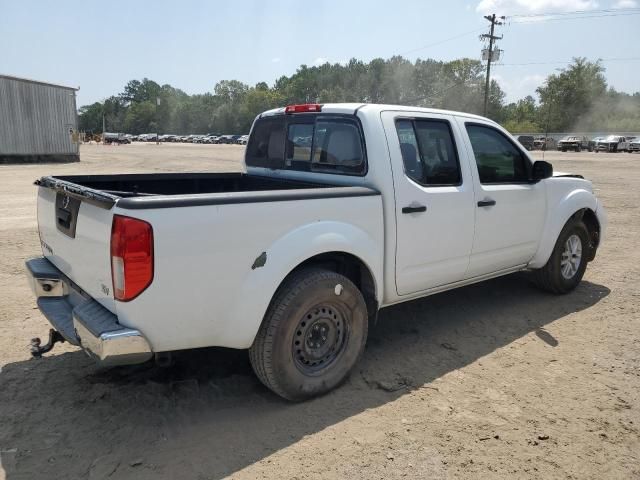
(434, 233)
(510, 210)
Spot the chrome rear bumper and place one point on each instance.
(83, 321)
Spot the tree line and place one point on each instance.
(576, 98)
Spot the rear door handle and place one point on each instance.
(486, 203)
(414, 209)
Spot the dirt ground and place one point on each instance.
(496, 380)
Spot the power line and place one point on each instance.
(576, 12)
(619, 59)
(553, 18)
(475, 30)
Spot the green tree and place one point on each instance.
(90, 117)
(569, 95)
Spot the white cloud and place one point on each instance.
(276, 59)
(625, 4)
(521, 87)
(320, 61)
(511, 7)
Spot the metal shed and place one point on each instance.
(38, 121)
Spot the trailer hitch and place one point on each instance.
(37, 350)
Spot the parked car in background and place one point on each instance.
(117, 138)
(634, 145)
(526, 141)
(225, 139)
(147, 137)
(575, 143)
(544, 143)
(242, 140)
(610, 143)
(594, 141)
(625, 146)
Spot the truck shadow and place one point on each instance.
(208, 416)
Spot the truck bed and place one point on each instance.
(168, 190)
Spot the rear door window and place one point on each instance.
(428, 152)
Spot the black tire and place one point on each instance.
(284, 355)
(551, 277)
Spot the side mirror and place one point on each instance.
(541, 170)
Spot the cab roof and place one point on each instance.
(375, 109)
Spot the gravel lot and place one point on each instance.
(496, 380)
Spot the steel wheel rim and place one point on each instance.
(571, 257)
(319, 338)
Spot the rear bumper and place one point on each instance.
(81, 320)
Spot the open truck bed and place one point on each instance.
(211, 247)
(167, 190)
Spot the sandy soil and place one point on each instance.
(496, 380)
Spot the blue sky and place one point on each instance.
(193, 44)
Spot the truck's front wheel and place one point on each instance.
(312, 335)
(565, 268)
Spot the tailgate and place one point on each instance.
(75, 235)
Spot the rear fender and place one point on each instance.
(282, 257)
(558, 215)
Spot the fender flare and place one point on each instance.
(557, 218)
(282, 257)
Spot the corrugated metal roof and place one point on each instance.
(10, 77)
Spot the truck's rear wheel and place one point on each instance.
(312, 335)
(565, 268)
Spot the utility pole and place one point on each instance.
(492, 38)
(157, 122)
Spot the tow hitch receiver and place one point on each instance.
(37, 350)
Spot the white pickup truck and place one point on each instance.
(344, 209)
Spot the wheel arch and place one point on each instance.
(579, 204)
(340, 247)
(352, 267)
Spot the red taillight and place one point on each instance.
(307, 107)
(131, 257)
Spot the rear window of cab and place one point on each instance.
(308, 142)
